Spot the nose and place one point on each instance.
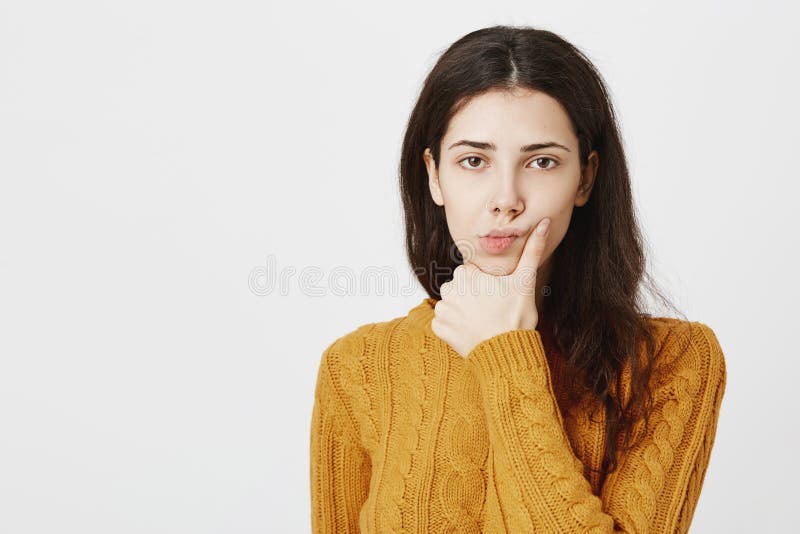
(506, 200)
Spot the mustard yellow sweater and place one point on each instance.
(409, 436)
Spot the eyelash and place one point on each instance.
(536, 159)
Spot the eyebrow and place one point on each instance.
(491, 146)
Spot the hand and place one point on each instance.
(476, 306)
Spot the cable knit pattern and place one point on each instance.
(353, 380)
(463, 489)
(409, 400)
(340, 478)
(408, 436)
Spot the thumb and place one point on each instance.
(532, 252)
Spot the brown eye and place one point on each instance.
(470, 160)
(546, 159)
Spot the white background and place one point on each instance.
(155, 154)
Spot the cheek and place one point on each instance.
(551, 195)
(461, 206)
(560, 224)
(556, 203)
(460, 193)
(558, 207)
(459, 221)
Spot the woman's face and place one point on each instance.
(491, 177)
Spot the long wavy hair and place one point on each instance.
(595, 313)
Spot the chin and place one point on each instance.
(497, 265)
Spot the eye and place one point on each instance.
(473, 159)
(547, 159)
(469, 166)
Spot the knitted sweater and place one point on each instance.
(409, 436)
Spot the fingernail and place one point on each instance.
(542, 227)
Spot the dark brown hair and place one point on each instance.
(595, 312)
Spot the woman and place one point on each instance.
(530, 392)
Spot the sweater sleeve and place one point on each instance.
(536, 480)
(340, 466)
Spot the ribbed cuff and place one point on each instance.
(509, 353)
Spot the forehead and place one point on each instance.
(512, 118)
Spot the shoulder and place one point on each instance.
(689, 350)
(359, 341)
(362, 343)
(350, 358)
(351, 348)
(350, 368)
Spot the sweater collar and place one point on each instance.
(420, 316)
